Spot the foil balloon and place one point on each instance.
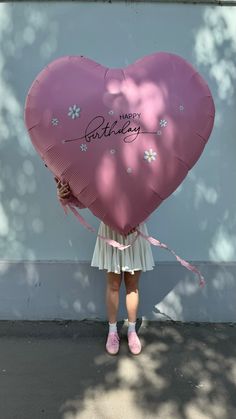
(123, 138)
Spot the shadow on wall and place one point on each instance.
(164, 381)
(44, 290)
(22, 185)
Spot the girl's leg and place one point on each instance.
(132, 294)
(112, 295)
(132, 300)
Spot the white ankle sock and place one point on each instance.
(131, 326)
(112, 327)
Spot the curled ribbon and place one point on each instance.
(120, 246)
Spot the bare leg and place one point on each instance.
(112, 295)
(132, 294)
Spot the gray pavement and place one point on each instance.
(60, 370)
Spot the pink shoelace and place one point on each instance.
(113, 338)
(112, 342)
(134, 342)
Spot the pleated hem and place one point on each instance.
(123, 270)
(137, 257)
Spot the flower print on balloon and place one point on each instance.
(74, 111)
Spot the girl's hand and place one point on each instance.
(63, 190)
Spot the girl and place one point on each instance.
(132, 261)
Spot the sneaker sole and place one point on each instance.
(112, 353)
(135, 353)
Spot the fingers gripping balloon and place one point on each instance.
(124, 139)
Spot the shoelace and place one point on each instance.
(134, 342)
(114, 339)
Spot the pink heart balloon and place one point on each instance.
(124, 139)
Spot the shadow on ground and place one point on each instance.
(61, 370)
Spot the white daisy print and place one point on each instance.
(54, 122)
(181, 107)
(84, 147)
(163, 122)
(150, 155)
(74, 111)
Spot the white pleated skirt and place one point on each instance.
(136, 257)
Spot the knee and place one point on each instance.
(131, 286)
(114, 283)
(131, 282)
(114, 286)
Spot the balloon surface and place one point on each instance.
(124, 139)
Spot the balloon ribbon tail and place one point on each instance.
(183, 262)
(111, 242)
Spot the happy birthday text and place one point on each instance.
(99, 128)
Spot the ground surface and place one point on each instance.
(60, 370)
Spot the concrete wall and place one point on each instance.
(45, 256)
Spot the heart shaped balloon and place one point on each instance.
(124, 139)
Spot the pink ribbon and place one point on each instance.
(150, 239)
(113, 243)
(183, 262)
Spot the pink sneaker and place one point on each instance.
(112, 344)
(134, 343)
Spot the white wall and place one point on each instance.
(198, 221)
